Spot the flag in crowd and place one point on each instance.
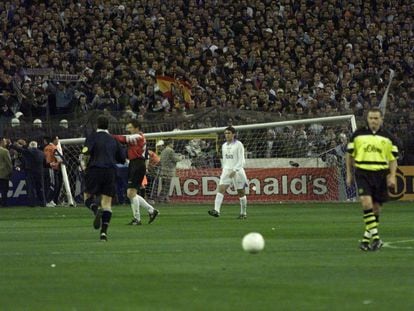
(383, 103)
(171, 88)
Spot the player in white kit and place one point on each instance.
(232, 174)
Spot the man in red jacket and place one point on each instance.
(136, 170)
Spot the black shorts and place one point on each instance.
(136, 173)
(100, 181)
(373, 183)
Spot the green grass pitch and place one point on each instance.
(51, 259)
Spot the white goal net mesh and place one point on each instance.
(301, 160)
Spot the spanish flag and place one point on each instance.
(172, 88)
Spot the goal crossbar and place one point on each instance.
(210, 130)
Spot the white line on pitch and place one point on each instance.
(391, 244)
(57, 253)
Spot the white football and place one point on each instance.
(253, 242)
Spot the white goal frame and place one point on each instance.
(171, 134)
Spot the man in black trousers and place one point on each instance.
(34, 163)
(104, 153)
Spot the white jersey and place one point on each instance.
(233, 161)
(233, 155)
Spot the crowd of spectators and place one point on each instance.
(302, 58)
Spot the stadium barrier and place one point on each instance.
(299, 184)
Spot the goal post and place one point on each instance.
(296, 160)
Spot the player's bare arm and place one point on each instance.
(391, 178)
(349, 167)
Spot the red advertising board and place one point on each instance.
(265, 185)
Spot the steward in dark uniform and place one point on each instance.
(34, 163)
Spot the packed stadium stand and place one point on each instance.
(194, 64)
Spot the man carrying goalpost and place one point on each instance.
(232, 174)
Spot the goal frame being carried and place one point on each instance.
(304, 180)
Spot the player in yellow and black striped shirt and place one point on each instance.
(373, 152)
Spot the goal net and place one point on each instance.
(299, 160)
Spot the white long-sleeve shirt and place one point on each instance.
(233, 155)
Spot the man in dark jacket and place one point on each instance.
(34, 163)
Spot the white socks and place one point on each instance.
(145, 204)
(135, 208)
(136, 202)
(243, 205)
(218, 201)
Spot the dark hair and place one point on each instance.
(50, 139)
(168, 141)
(102, 122)
(47, 139)
(230, 129)
(375, 109)
(135, 123)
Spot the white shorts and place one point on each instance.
(239, 181)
